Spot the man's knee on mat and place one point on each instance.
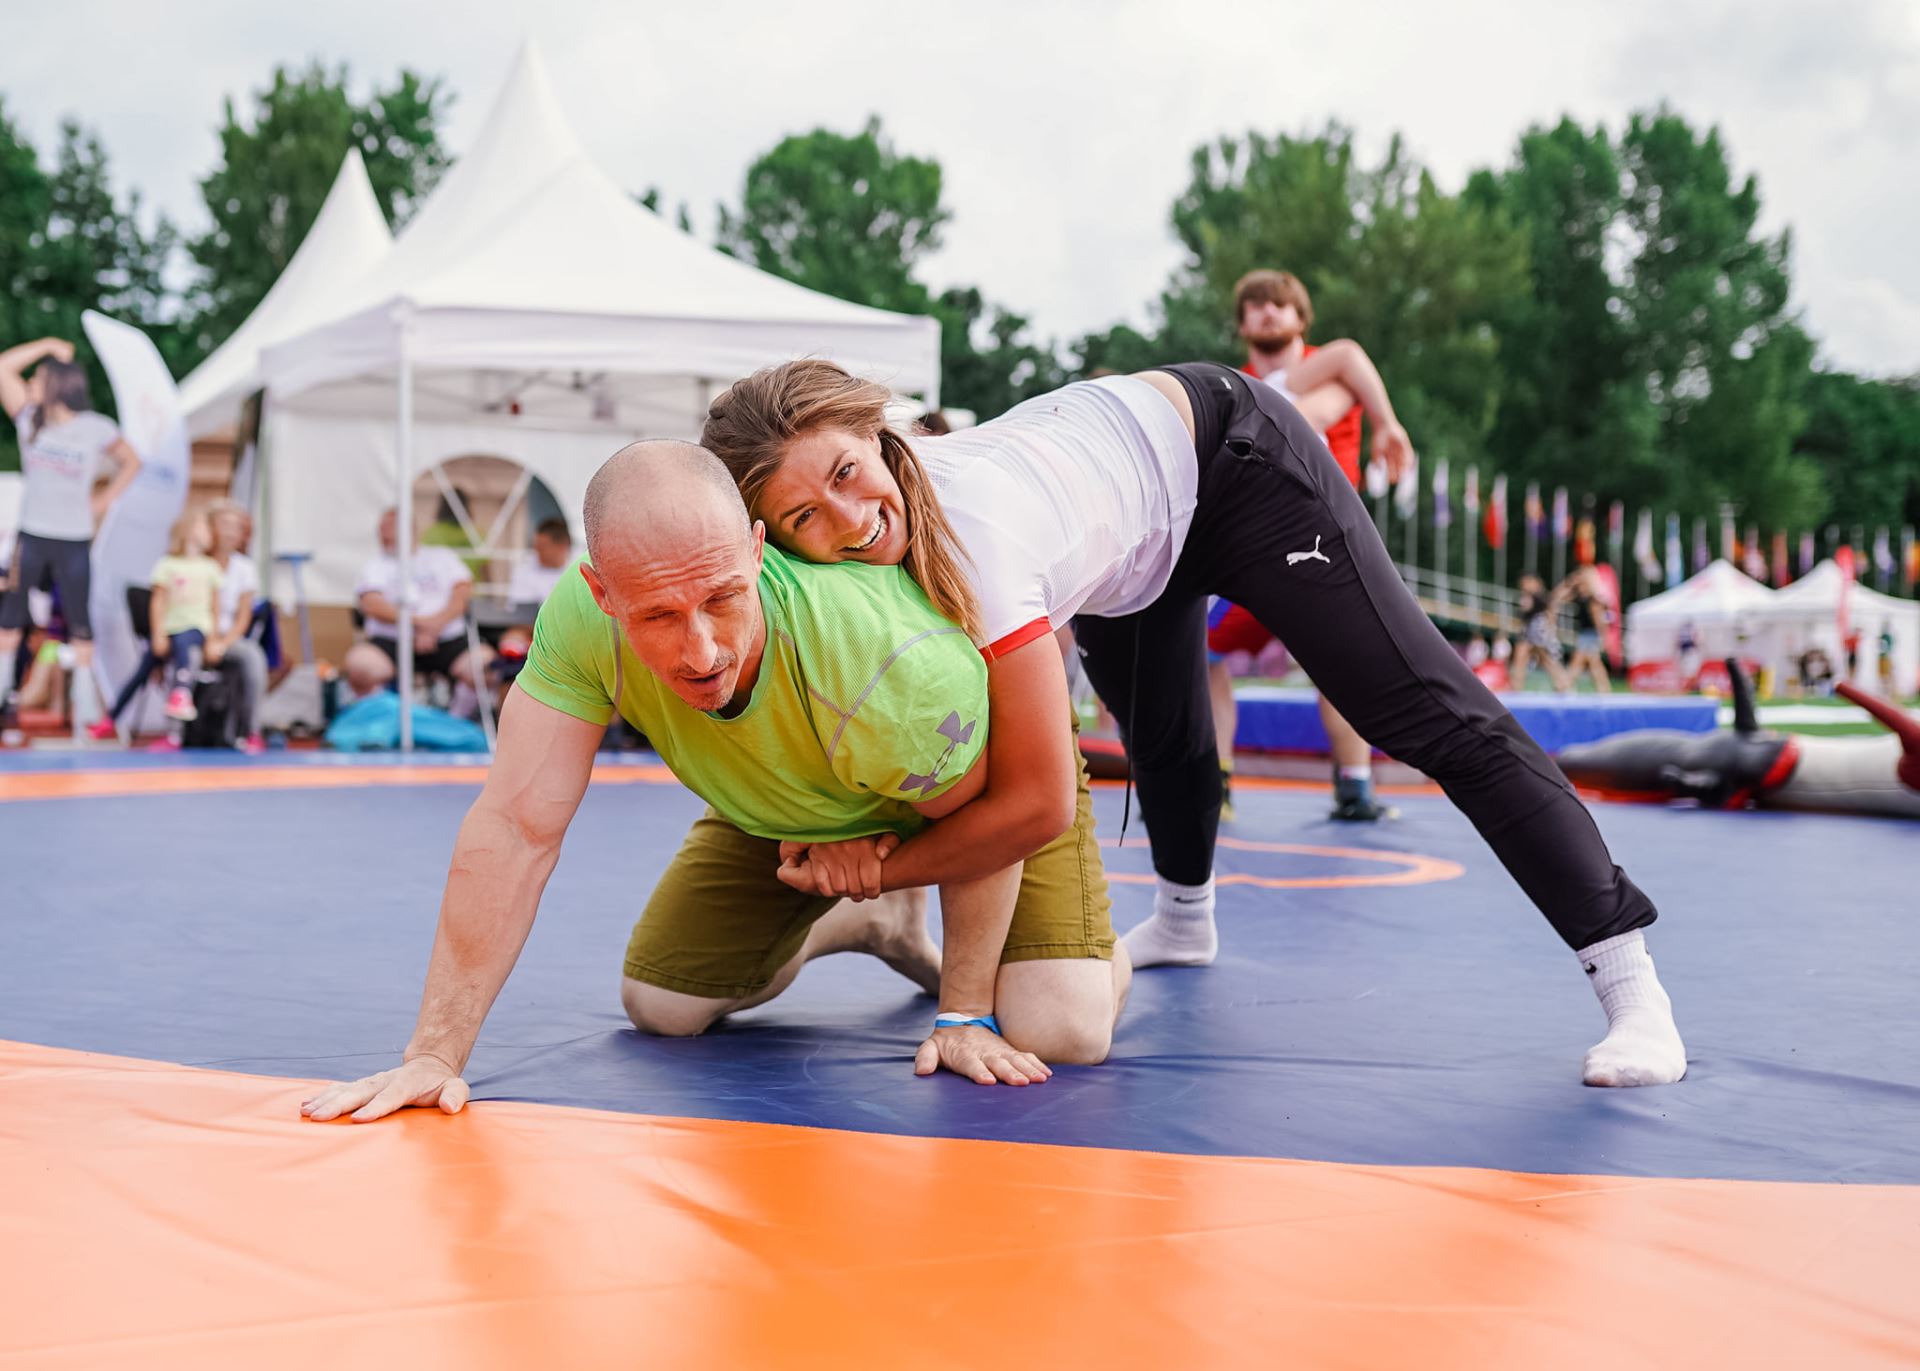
(669, 1013)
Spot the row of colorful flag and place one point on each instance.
(1662, 554)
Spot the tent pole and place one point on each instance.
(403, 530)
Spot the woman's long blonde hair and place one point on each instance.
(750, 427)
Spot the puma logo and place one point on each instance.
(1295, 558)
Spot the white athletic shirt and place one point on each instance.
(1075, 502)
(436, 573)
(239, 582)
(60, 464)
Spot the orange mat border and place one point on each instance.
(160, 1216)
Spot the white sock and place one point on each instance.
(1180, 931)
(1642, 1046)
(6, 675)
(1363, 772)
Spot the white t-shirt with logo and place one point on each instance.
(1074, 502)
(436, 573)
(60, 465)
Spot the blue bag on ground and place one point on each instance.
(373, 725)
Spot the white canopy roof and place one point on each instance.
(1720, 591)
(527, 257)
(1819, 593)
(348, 239)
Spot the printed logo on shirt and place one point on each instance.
(957, 735)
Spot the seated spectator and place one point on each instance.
(537, 574)
(180, 619)
(232, 639)
(442, 586)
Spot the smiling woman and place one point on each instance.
(1120, 505)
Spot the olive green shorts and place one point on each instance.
(720, 924)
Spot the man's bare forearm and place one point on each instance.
(493, 892)
(975, 916)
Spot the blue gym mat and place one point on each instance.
(287, 932)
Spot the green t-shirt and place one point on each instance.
(866, 699)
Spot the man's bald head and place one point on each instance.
(656, 493)
(675, 561)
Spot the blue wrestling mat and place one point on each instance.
(1384, 994)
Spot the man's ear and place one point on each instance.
(599, 589)
(759, 543)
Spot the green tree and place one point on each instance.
(1415, 275)
(988, 363)
(1704, 312)
(277, 166)
(849, 216)
(1571, 405)
(843, 214)
(1865, 437)
(69, 244)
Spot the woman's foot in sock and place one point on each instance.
(1180, 932)
(1643, 1045)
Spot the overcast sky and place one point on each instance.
(1064, 128)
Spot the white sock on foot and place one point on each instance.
(1642, 1046)
(1180, 931)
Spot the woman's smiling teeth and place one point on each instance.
(879, 532)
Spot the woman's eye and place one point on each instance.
(842, 474)
(801, 518)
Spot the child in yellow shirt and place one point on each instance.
(181, 614)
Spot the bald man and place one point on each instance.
(826, 705)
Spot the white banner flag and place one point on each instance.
(134, 534)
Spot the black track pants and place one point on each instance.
(1279, 530)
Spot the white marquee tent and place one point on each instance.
(1809, 613)
(1718, 607)
(532, 310)
(348, 239)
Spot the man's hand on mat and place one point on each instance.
(981, 1055)
(423, 1082)
(847, 870)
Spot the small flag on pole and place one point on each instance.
(1808, 553)
(1406, 495)
(1562, 515)
(1495, 525)
(1643, 548)
(1780, 576)
(1701, 553)
(1536, 513)
(1676, 554)
(1470, 497)
(1442, 508)
(1883, 555)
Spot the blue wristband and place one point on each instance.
(986, 1021)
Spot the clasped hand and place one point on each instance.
(848, 870)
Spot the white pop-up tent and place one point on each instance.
(1826, 607)
(347, 240)
(1717, 609)
(532, 311)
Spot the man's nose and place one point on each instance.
(701, 648)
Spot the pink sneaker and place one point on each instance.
(180, 705)
(164, 745)
(101, 730)
(253, 745)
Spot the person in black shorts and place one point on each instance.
(64, 448)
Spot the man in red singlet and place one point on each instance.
(1272, 313)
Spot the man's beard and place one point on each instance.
(1272, 342)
